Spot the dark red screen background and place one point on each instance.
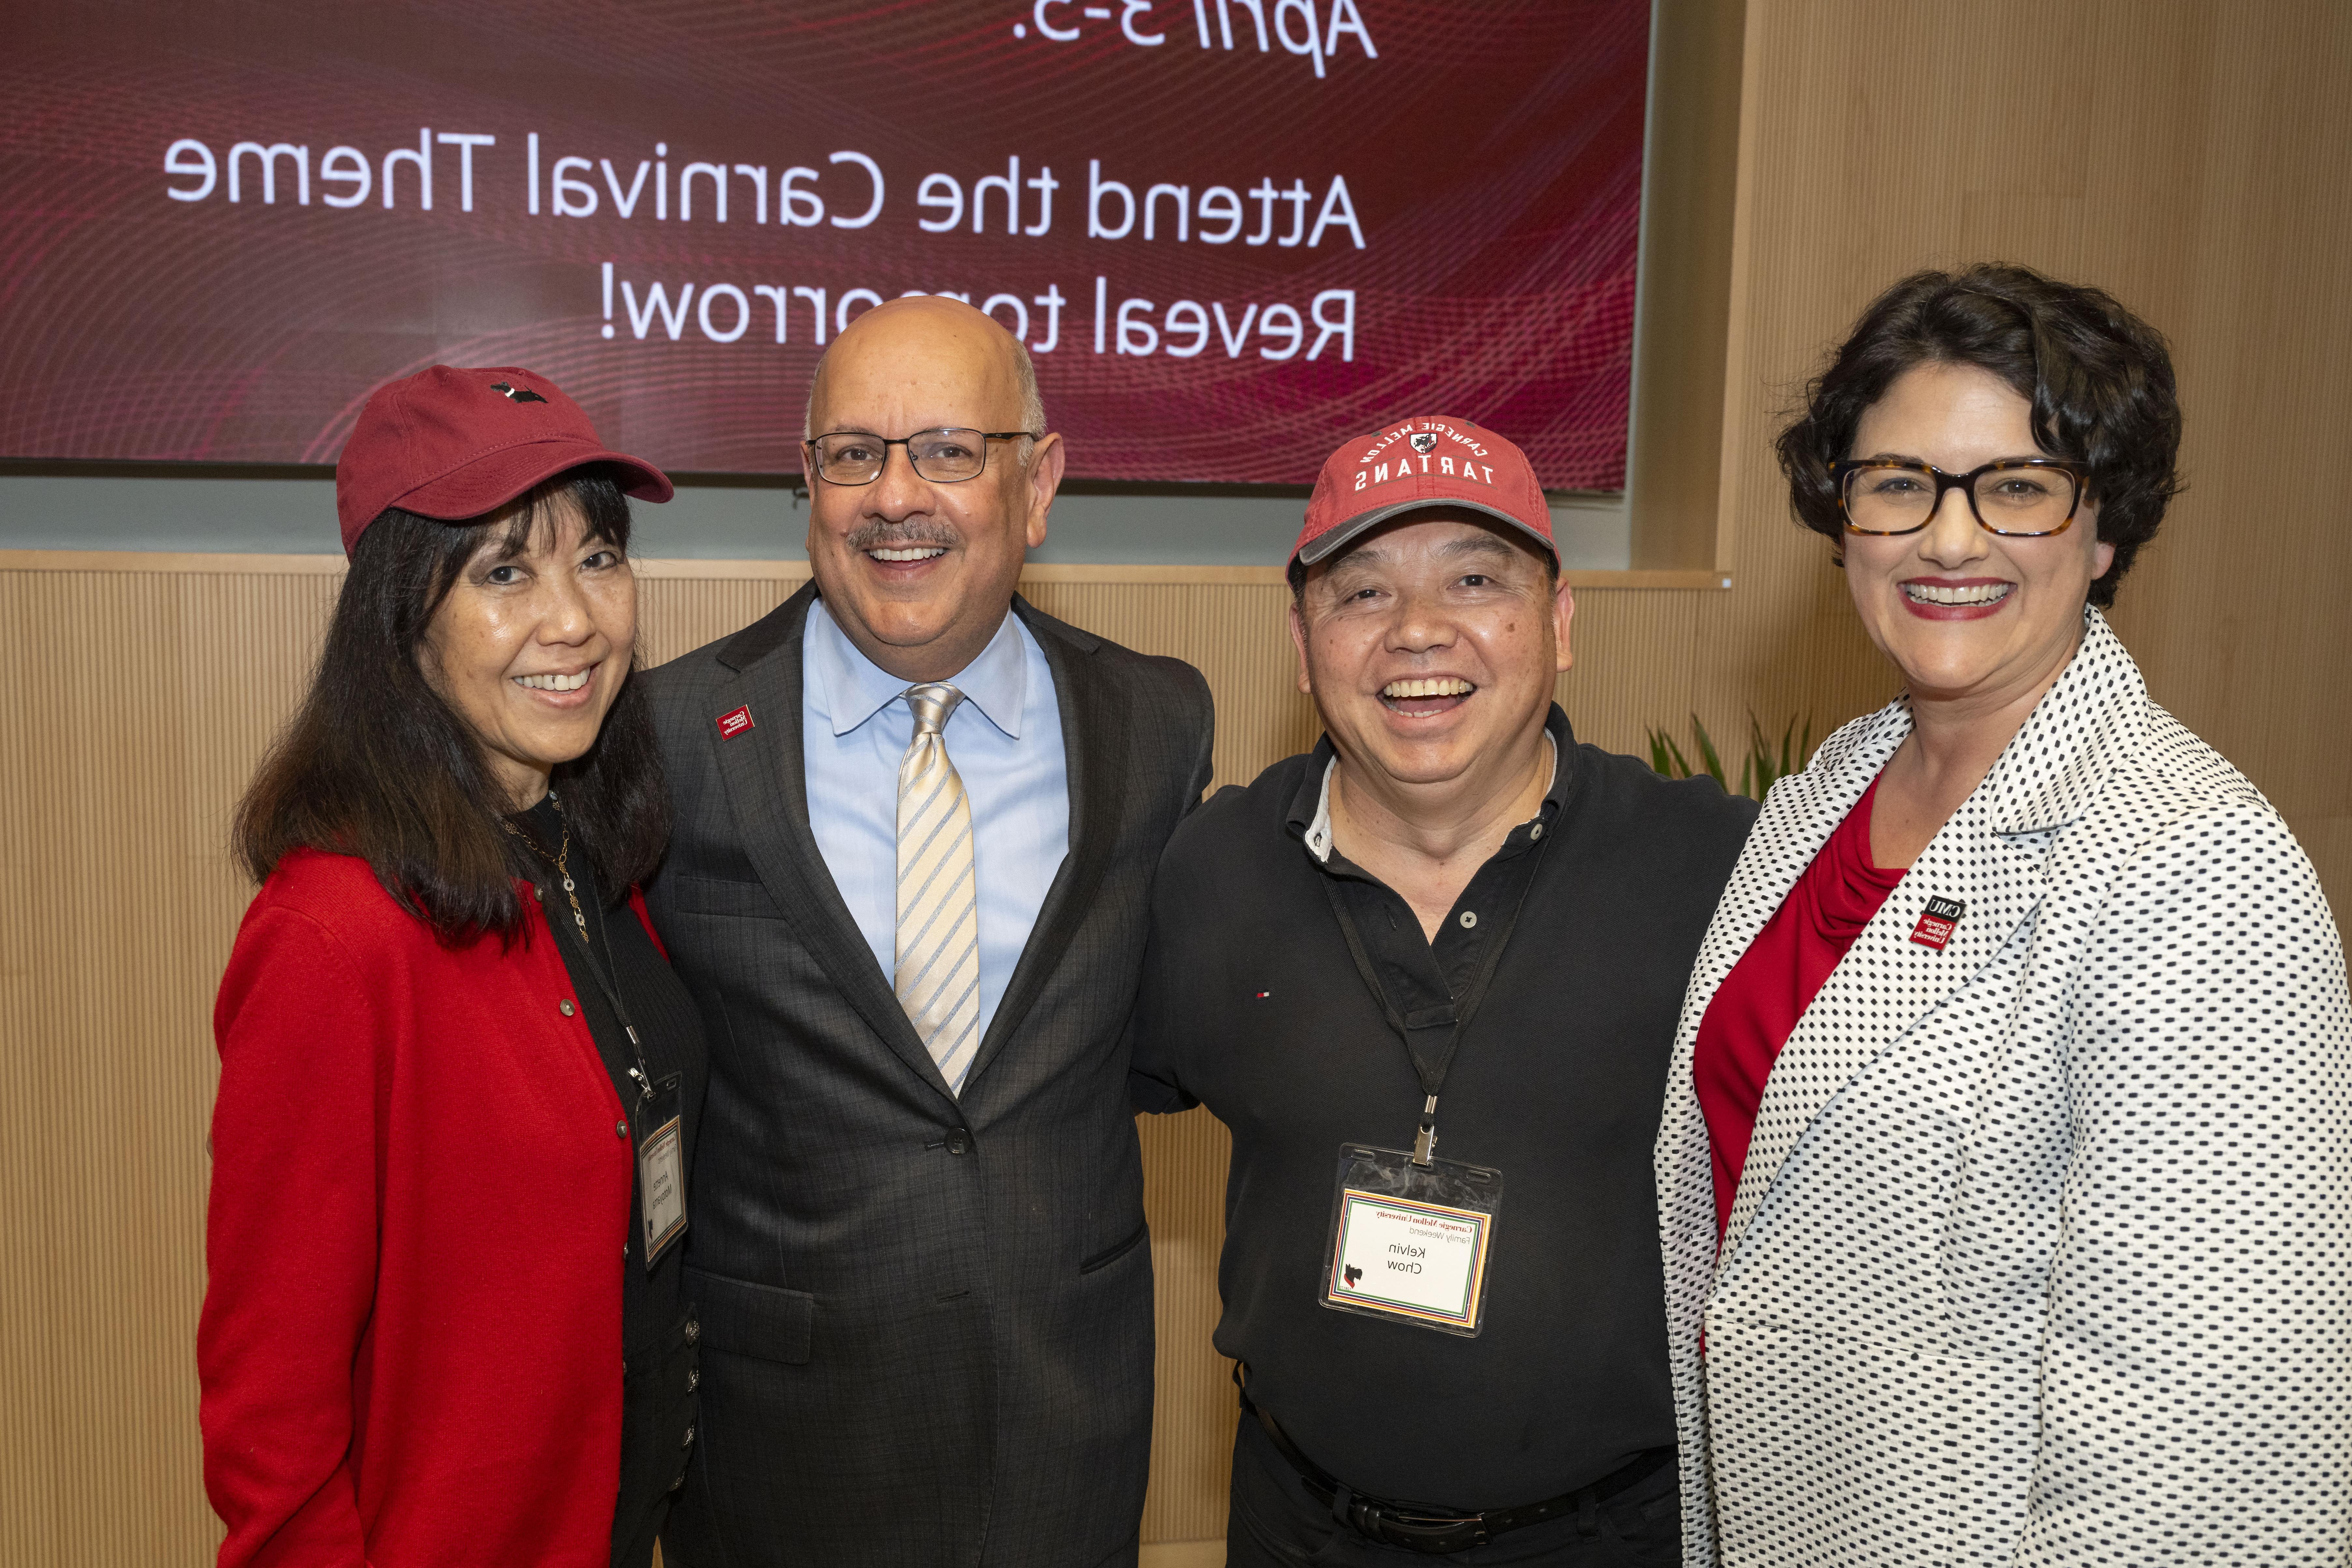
(1492, 154)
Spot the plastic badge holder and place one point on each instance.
(1412, 1243)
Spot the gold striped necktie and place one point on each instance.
(937, 978)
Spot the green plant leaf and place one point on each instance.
(1707, 754)
(1665, 757)
(1768, 762)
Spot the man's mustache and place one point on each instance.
(903, 535)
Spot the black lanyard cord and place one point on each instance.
(605, 972)
(601, 967)
(1432, 1077)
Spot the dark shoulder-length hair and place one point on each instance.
(374, 764)
(2098, 377)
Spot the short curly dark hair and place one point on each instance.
(2099, 379)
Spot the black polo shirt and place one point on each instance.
(1251, 1005)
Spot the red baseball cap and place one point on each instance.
(454, 444)
(1432, 460)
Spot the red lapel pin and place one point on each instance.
(733, 724)
(1936, 923)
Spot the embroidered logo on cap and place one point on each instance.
(1937, 921)
(733, 724)
(516, 394)
(1371, 468)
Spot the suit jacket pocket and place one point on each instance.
(746, 1318)
(717, 896)
(1111, 1255)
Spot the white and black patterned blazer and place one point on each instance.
(2042, 1252)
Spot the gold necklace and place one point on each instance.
(560, 860)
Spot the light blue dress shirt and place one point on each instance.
(1006, 741)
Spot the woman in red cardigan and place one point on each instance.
(459, 1082)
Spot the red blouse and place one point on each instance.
(1757, 1008)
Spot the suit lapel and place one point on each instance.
(1094, 742)
(1991, 858)
(767, 785)
(1799, 815)
(1803, 810)
(1886, 982)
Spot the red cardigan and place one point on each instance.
(411, 1342)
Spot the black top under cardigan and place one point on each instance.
(658, 1332)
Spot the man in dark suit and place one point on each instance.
(916, 822)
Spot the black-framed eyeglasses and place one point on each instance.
(2017, 497)
(945, 457)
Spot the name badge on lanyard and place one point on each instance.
(661, 1166)
(1411, 1241)
(657, 1126)
(1413, 1236)
(655, 1121)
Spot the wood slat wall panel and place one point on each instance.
(108, 1122)
(1184, 1159)
(678, 614)
(29, 1469)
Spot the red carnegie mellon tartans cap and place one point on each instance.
(454, 444)
(1432, 460)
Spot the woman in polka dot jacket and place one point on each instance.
(2006, 1169)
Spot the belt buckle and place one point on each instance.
(1434, 1534)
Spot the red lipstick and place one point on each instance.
(1973, 610)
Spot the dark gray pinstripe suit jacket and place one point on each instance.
(926, 1331)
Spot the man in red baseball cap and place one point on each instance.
(1429, 975)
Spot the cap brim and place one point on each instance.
(486, 483)
(1323, 544)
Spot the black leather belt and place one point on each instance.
(1424, 1527)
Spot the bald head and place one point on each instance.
(928, 338)
(919, 572)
